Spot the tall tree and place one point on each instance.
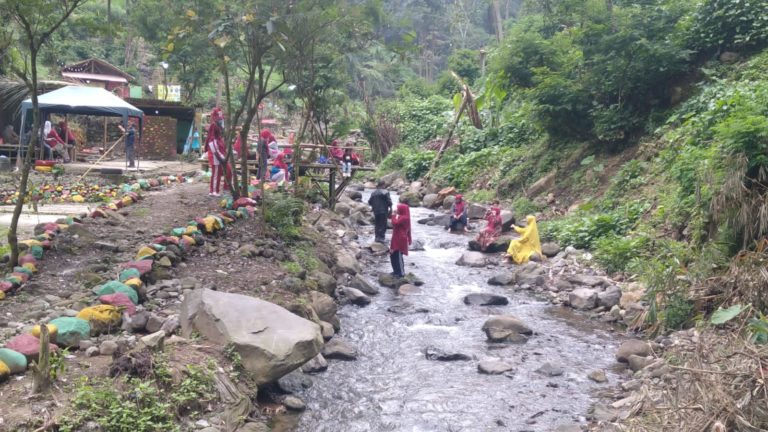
(33, 22)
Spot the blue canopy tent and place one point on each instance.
(83, 101)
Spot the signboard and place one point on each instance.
(170, 93)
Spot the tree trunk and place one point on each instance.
(498, 21)
(41, 379)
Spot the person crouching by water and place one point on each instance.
(381, 204)
(401, 238)
(528, 246)
(493, 230)
(458, 220)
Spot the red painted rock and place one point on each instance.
(99, 213)
(119, 300)
(27, 259)
(27, 345)
(51, 227)
(244, 202)
(143, 266)
(6, 286)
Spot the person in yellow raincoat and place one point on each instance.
(520, 250)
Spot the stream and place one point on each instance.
(392, 386)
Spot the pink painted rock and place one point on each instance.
(119, 299)
(6, 286)
(28, 345)
(143, 266)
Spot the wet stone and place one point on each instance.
(294, 404)
(483, 299)
(338, 349)
(550, 370)
(437, 354)
(494, 367)
(502, 279)
(316, 365)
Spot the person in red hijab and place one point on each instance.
(281, 163)
(458, 220)
(214, 143)
(66, 134)
(493, 230)
(401, 239)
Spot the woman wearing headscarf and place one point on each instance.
(213, 146)
(54, 141)
(401, 239)
(493, 230)
(522, 249)
(458, 215)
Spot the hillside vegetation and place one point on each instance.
(650, 116)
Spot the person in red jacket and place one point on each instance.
(214, 143)
(401, 239)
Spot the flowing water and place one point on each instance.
(392, 386)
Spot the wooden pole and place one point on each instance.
(99, 160)
(105, 132)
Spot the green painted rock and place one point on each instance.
(71, 330)
(15, 361)
(112, 287)
(129, 273)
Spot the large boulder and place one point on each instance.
(270, 340)
(476, 211)
(363, 285)
(16, 361)
(437, 220)
(583, 298)
(28, 345)
(431, 201)
(632, 347)
(500, 328)
(541, 185)
(410, 198)
(448, 202)
(473, 259)
(550, 249)
(507, 220)
(356, 296)
(610, 297)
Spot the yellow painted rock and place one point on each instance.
(52, 331)
(112, 206)
(144, 252)
(133, 282)
(78, 199)
(127, 200)
(31, 242)
(190, 229)
(2, 295)
(101, 317)
(43, 169)
(5, 372)
(211, 224)
(31, 267)
(189, 240)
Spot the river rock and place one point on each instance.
(417, 245)
(550, 370)
(363, 285)
(494, 367)
(340, 350)
(501, 244)
(323, 304)
(293, 383)
(502, 279)
(472, 259)
(448, 201)
(637, 362)
(541, 185)
(342, 209)
(390, 178)
(354, 195)
(437, 354)
(408, 289)
(583, 298)
(316, 365)
(598, 376)
(431, 201)
(154, 340)
(610, 297)
(550, 249)
(108, 347)
(325, 282)
(378, 249)
(294, 404)
(476, 211)
(507, 220)
(632, 347)
(327, 330)
(438, 220)
(586, 280)
(567, 427)
(346, 262)
(500, 328)
(484, 299)
(529, 275)
(412, 199)
(270, 340)
(356, 296)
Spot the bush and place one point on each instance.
(284, 213)
(419, 120)
(616, 253)
(413, 163)
(524, 206)
(583, 231)
(728, 24)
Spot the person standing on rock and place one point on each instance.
(458, 220)
(381, 204)
(401, 239)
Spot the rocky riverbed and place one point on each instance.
(462, 347)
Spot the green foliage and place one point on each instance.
(615, 253)
(722, 316)
(412, 162)
(480, 196)
(291, 267)
(729, 24)
(195, 390)
(523, 206)
(583, 231)
(419, 120)
(140, 407)
(284, 213)
(627, 180)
